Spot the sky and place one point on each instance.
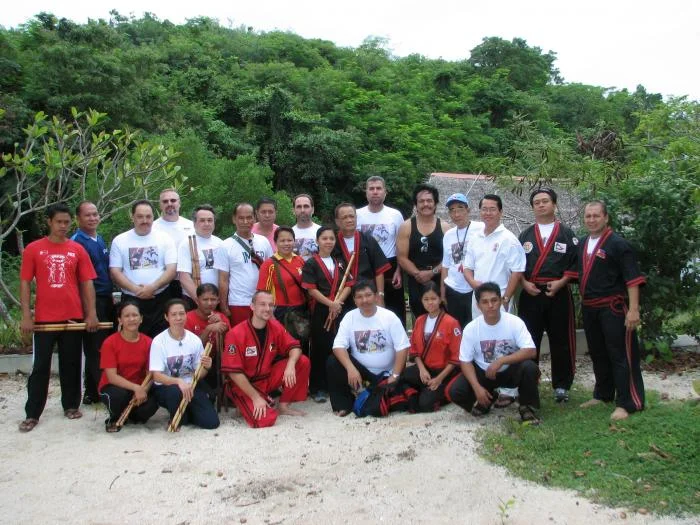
(610, 43)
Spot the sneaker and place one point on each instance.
(320, 396)
(561, 395)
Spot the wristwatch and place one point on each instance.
(380, 294)
(395, 375)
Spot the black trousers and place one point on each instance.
(394, 298)
(555, 315)
(116, 399)
(200, 411)
(428, 400)
(614, 351)
(69, 349)
(415, 292)
(459, 306)
(523, 375)
(339, 390)
(92, 341)
(153, 311)
(321, 348)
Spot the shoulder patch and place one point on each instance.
(251, 351)
(232, 349)
(457, 332)
(527, 246)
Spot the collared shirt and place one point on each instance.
(494, 257)
(99, 255)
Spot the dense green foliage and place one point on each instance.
(270, 113)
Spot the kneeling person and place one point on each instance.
(259, 357)
(175, 356)
(496, 351)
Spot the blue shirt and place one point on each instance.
(99, 255)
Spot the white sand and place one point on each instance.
(316, 469)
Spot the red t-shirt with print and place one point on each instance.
(131, 359)
(196, 324)
(58, 268)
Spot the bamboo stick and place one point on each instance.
(175, 423)
(194, 255)
(122, 419)
(69, 327)
(329, 322)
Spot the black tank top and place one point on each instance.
(425, 250)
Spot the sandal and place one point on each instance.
(478, 410)
(28, 424)
(504, 401)
(112, 427)
(528, 416)
(73, 413)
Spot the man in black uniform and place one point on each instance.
(369, 263)
(546, 303)
(419, 245)
(607, 270)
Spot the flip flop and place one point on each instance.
(28, 424)
(504, 401)
(73, 413)
(528, 416)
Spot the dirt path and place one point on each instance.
(319, 469)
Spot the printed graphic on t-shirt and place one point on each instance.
(380, 232)
(208, 258)
(143, 258)
(181, 365)
(495, 348)
(457, 250)
(305, 247)
(56, 264)
(370, 341)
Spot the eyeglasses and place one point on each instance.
(171, 201)
(423, 244)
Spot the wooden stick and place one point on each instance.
(194, 255)
(122, 419)
(175, 423)
(329, 322)
(69, 327)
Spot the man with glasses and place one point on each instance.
(238, 260)
(419, 245)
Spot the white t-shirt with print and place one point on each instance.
(305, 240)
(374, 340)
(382, 225)
(453, 257)
(483, 343)
(177, 230)
(242, 271)
(142, 258)
(206, 248)
(176, 358)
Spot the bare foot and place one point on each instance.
(591, 403)
(341, 413)
(618, 414)
(285, 409)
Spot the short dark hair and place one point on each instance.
(375, 178)
(323, 229)
(207, 287)
(57, 207)
(240, 205)
(203, 207)
(174, 302)
(363, 284)
(311, 199)
(343, 205)
(430, 286)
(283, 229)
(485, 288)
(426, 187)
(142, 202)
(80, 205)
(549, 191)
(124, 304)
(258, 293)
(492, 197)
(597, 202)
(265, 200)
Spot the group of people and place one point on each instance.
(320, 310)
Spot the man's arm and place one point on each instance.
(25, 297)
(354, 377)
(511, 287)
(516, 357)
(290, 372)
(632, 318)
(149, 291)
(483, 397)
(223, 293)
(469, 277)
(87, 296)
(399, 363)
(122, 281)
(188, 284)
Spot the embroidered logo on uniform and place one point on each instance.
(575, 241)
(560, 247)
(601, 254)
(527, 247)
(232, 349)
(251, 351)
(272, 347)
(457, 332)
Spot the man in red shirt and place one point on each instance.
(260, 356)
(63, 274)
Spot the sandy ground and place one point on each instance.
(316, 469)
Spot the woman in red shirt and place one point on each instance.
(435, 346)
(124, 359)
(281, 276)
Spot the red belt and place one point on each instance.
(615, 302)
